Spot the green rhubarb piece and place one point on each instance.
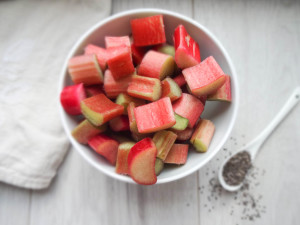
(164, 141)
(167, 49)
(159, 165)
(181, 123)
(124, 99)
(202, 135)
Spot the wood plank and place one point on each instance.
(261, 37)
(14, 205)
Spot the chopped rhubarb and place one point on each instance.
(187, 51)
(166, 49)
(113, 87)
(99, 109)
(164, 141)
(120, 123)
(223, 93)
(100, 53)
(180, 80)
(170, 89)
(70, 98)
(148, 31)
(145, 88)
(181, 123)
(85, 131)
(141, 162)
(122, 156)
(85, 69)
(177, 154)
(120, 62)
(124, 99)
(184, 135)
(105, 146)
(189, 107)
(111, 42)
(202, 135)
(159, 166)
(155, 116)
(204, 78)
(93, 90)
(137, 53)
(156, 65)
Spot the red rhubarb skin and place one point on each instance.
(143, 87)
(120, 62)
(203, 74)
(70, 98)
(155, 116)
(122, 164)
(111, 42)
(187, 51)
(113, 87)
(167, 92)
(83, 69)
(137, 54)
(180, 80)
(152, 63)
(100, 53)
(190, 107)
(223, 93)
(120, 123)
(102, 105)
(184, 135)
(142, 157)
(148, 31)
(177, 154)
(105, 146)
(93, 90)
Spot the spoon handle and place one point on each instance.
(291, 102)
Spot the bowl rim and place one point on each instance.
(77, 44)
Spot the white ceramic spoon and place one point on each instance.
(253, 146)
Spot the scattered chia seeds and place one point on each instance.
(236, 168)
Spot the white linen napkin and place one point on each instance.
(35, 38)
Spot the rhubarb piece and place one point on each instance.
(85, 131)
(159, 166)
(180, 80)
(120, 62)
(145, 88)
(223, 93)
(124, 99)
(166, 49)
(181, 123)
(148, 31)
(164, 141)
(141, 162)
(99, 109)
(111, 42)
(170, 89)
(155, 116)
(105, 146)
(100, 53)
(187, 51)
(203, 99)
(189, 107)
(120, 123)
(177, 154)
(122, 156)
(85, 69)
(93, 90)
(70, 98)
(156, 65)
(185, 134)
(137, 54)
(204, 78)
(113, 87)
(202, 135)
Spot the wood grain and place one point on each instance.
(262, 37)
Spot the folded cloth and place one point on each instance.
(35, 39)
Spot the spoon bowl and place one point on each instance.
(253, 147)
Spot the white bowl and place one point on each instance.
(222, 114)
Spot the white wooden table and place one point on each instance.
(263, 39)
